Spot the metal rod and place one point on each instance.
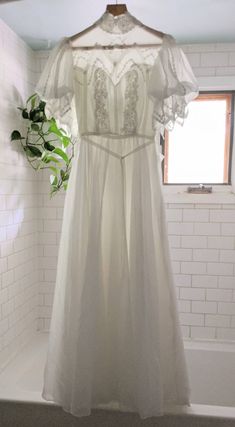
(116, 46)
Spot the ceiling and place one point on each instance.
(42, 23)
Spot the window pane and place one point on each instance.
(196, 150)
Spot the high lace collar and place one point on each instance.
(120, 24)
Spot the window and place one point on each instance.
(199, 152)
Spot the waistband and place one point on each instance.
(117, 136)
(112, 153)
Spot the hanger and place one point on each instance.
(116, 10)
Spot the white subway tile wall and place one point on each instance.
(19, 274)
(201, 235)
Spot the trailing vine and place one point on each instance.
(45, 144)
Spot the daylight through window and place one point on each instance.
(199, 151)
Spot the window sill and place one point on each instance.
(178, 194)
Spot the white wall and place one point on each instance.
(202, 238)
(18, 203)
(201, 229)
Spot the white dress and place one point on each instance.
(115, 339)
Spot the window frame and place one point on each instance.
(229, 138)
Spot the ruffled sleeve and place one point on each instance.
(172, 85)
(56, 87)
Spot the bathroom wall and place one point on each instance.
(202, 239)
(201, 230)
(18, 202)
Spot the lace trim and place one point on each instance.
(165, 116)
(117, 24)
(131, 96)
(100, 96)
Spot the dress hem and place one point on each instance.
(168, 408)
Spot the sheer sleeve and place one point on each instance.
(56, 87)
(172, 85)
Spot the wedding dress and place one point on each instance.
(115, 339)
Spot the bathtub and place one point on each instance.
(211, 368)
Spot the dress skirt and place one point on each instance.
(115, 340)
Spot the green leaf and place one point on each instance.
(62, 131)
(49, 146)
(64, 175)
(45, 160)
(34, 150)
(35, 127)
(28, 152)
(55, 187)
(36, 115)
(65, 141)
(32, 98)
(25, 114)
(42, 105)
(54, 129)
(44, 154)
(54, 169)
(53, 180)
(50, 158)
(62, 154)
(33, 114)
(15, 135)
(53, 191)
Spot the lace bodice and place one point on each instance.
(119, 91)
(113, 93)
